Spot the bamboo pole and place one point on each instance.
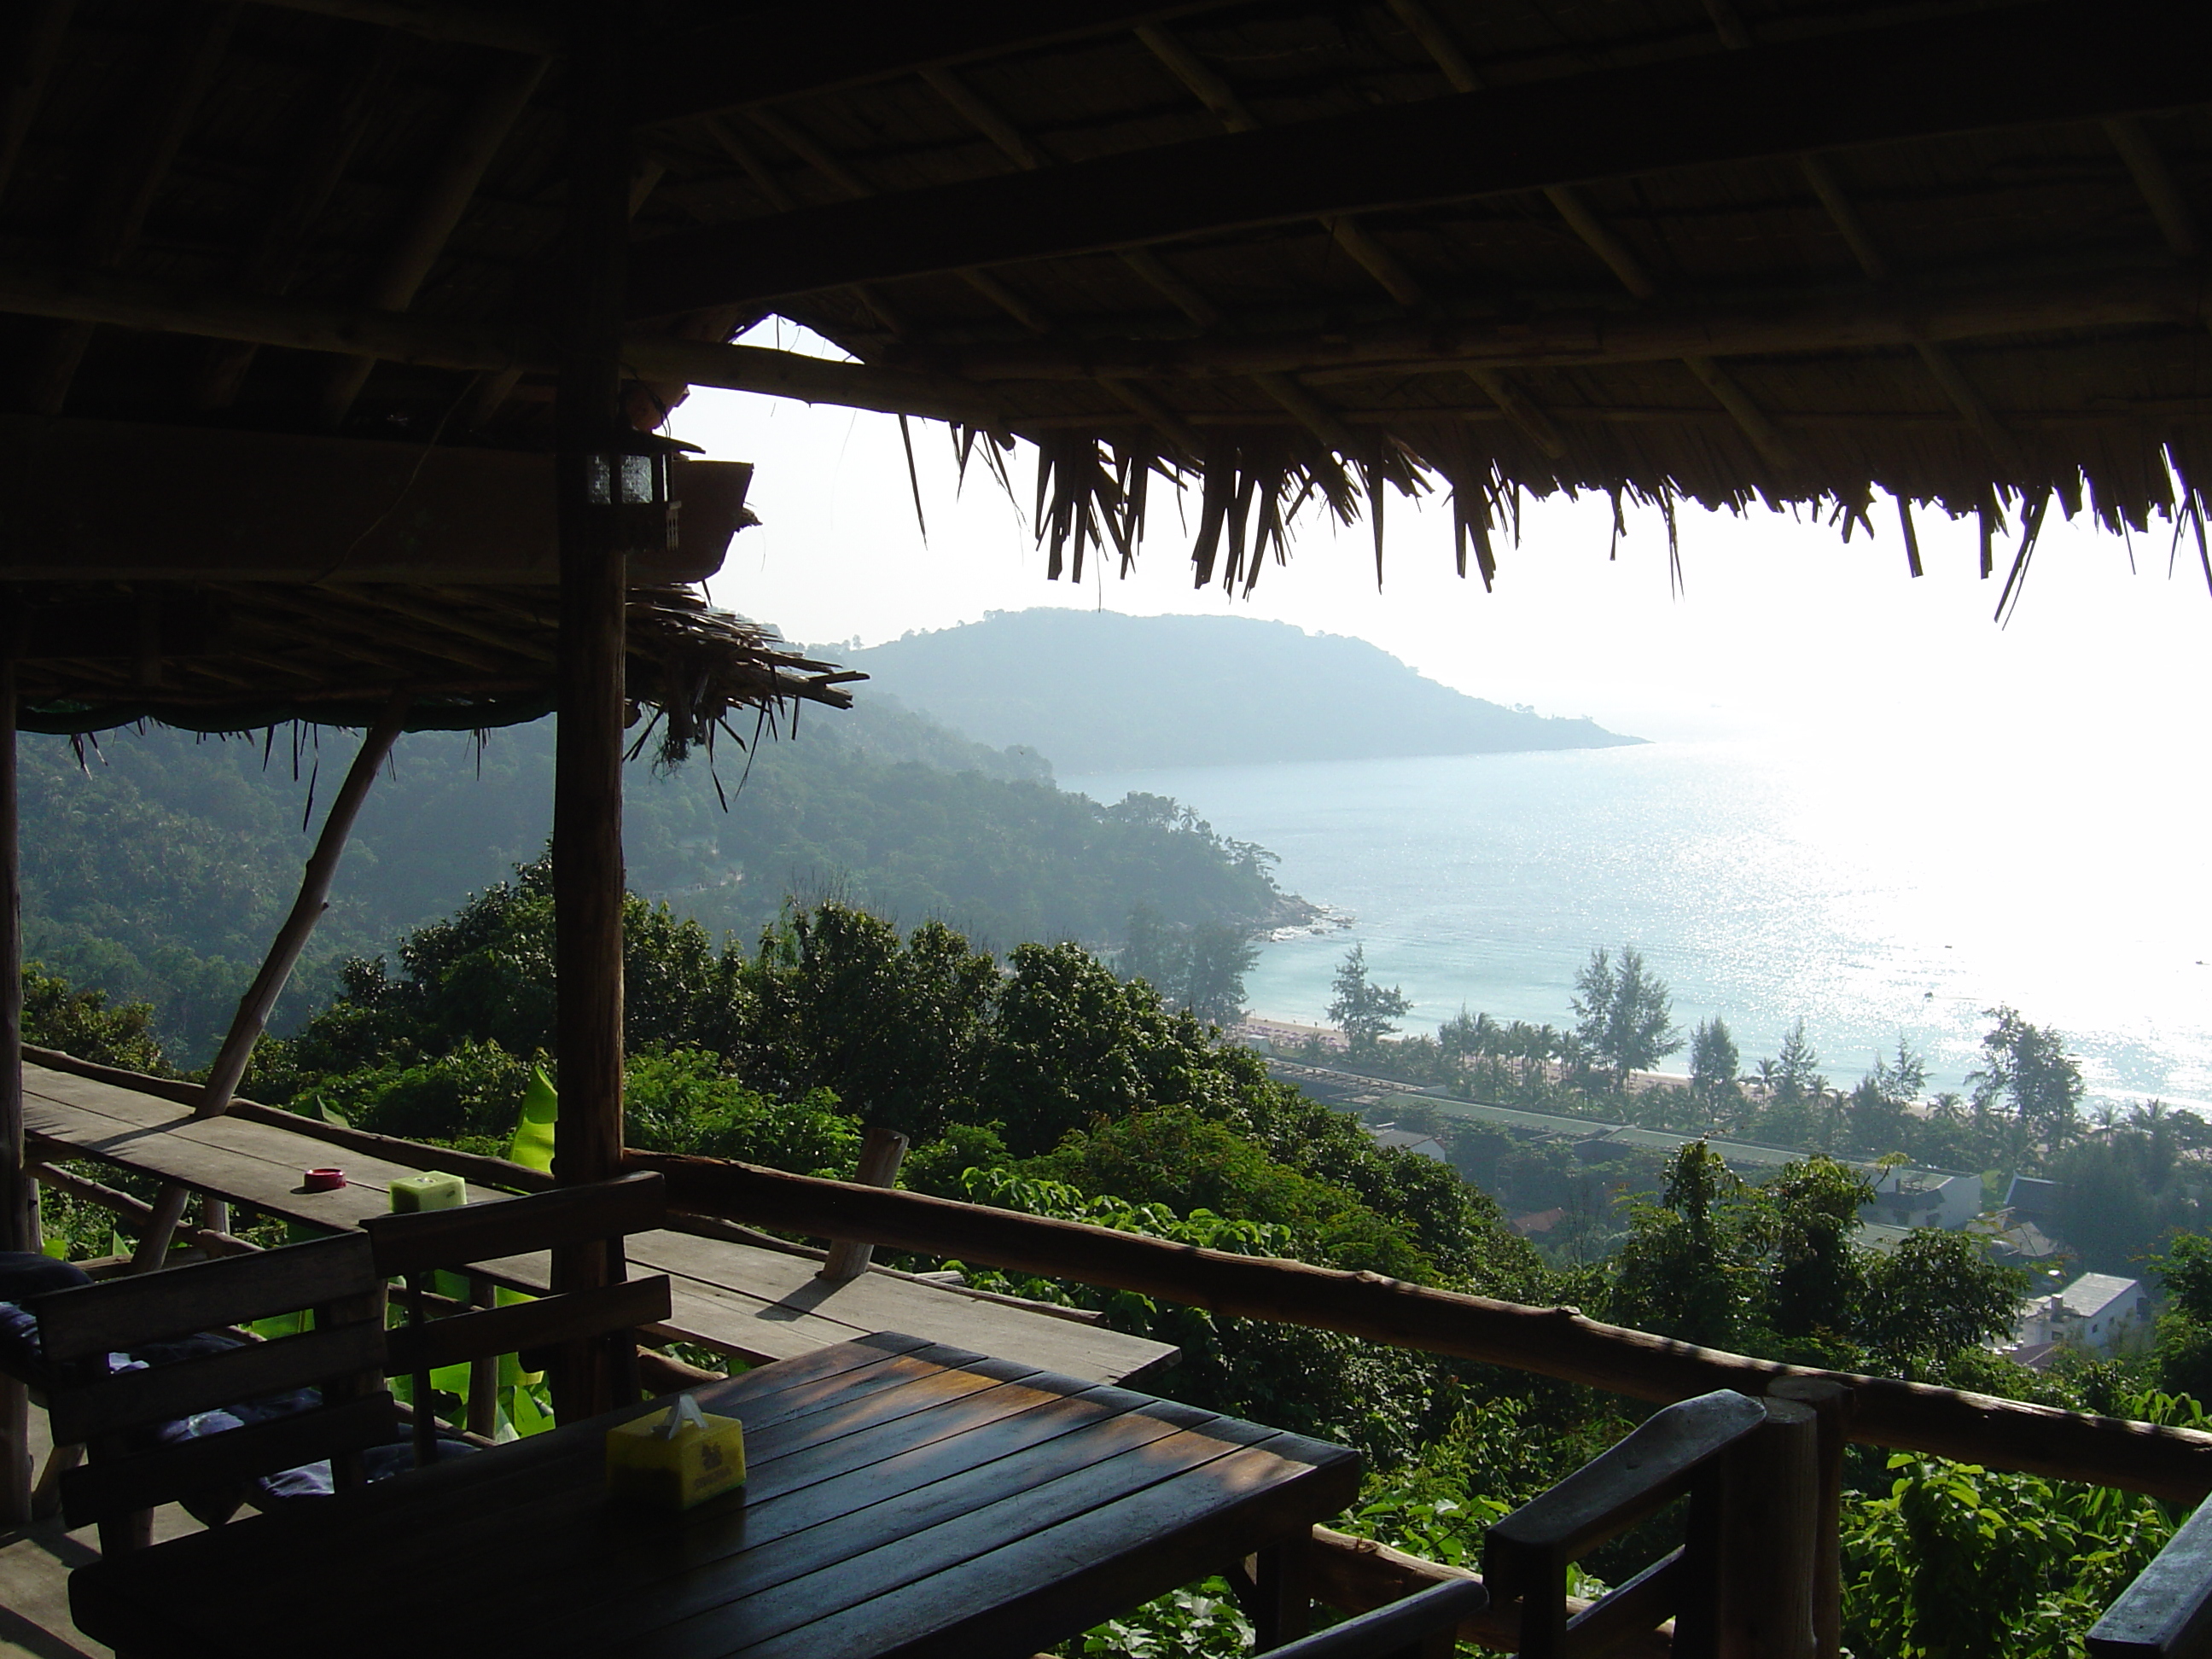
(15, 1208)
(588, 791)
(1560, 1342)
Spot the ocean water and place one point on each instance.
(1874, 894)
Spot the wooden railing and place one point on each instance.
(1560, 1342)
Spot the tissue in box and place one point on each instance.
(702, 1458)
(431, 1190)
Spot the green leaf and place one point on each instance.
(532, 1145)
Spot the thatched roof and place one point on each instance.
(1732, 251)
(238, 656)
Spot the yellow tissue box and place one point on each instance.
(675, 1458)
(431, 1190)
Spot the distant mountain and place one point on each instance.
(1100, 691)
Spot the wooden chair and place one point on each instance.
(125, 1477)
(1424, 1626)
(415, 1247)
(1747, 1466)
(2166, 1613)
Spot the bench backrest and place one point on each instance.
(414, 1245)
(341, 1354)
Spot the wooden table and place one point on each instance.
(905, 1498)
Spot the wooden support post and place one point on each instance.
(1282, 1592)
(16, 1230)
(587, 843)
(260, 1001)
(314, 897)
(1765, 1550)
(881, 1154)
(1832, 1402)
(483, 1370)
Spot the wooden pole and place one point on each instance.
(260, 1001)
(1769, 1490)
(2007, 1434)
(15, 1209)
(881, 1154)
(1832, 1402)
(252, 1019)
(587, 796)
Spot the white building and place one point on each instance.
(1924, 1198)
(1409, 1140)
(2096, 1312)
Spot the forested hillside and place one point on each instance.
(1100, 691)
(159, 869)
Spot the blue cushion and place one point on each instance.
(24, 1275)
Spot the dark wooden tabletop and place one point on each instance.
(904, 1499)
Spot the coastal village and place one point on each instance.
(2096, 1314)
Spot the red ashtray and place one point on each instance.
(324, 1180)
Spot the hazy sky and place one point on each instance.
(1780, 624)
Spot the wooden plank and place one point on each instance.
(483, 1231)
(565, 1318)
(120, 1486)
(2017, 64)
(162, 1392)
(97, 1319)
(877, 1302)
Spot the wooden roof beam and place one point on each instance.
(2008, 66)
(1516, 404)
(1870, 319)
(37, 48)
(760, 56)
(437, 213)
(1942, 367)
(460, 25)
(2176, 220)
(308, 325)
(185, 72)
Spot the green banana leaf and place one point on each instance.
(533, 1131)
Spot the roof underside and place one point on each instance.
(1727, 251)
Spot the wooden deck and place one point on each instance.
(754, 1303)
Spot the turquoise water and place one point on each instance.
(1871, 894)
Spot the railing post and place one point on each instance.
(1831, 1403)
(1769, 1492)
(881, 1154)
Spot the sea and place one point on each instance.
(1878, 896)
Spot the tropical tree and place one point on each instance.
(1624, 1014)
(1362, 1010)
(1218, 956)
(1714, 1063)
(1797, 1069)
(2027, 1067)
